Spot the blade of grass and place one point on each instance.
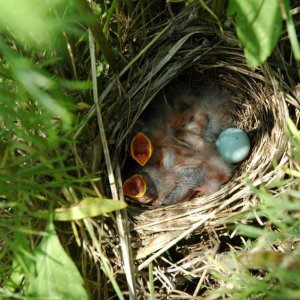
(151, 282)
(286, 12)
(212, 13)
(218, 7)
(110, 12)
(123, 234)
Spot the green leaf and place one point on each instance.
(28, 20)
(55, 276)
(15, 279)
(88, 207)
(258, 26)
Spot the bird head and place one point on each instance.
(140, 188)
(141, 148)
(135, 187)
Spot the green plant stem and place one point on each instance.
(285, 6)
(212, 13)
(109, 14)
(151, 281)
(218, 7)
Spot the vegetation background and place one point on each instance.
(55, 57)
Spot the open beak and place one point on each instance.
(135, 187)
(141, 148)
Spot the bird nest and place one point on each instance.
(190, 47)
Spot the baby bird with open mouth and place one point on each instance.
(174, 147)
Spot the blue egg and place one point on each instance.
(233, 144)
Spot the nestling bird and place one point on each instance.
(155, 134)
(135, 187)
(174, 145)
(179, 176)
(141, 148)
(156, 187)
(207, 109)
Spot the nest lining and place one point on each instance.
(198, 48)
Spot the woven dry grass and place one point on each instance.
(189, 46)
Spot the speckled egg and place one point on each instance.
(233, 144)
